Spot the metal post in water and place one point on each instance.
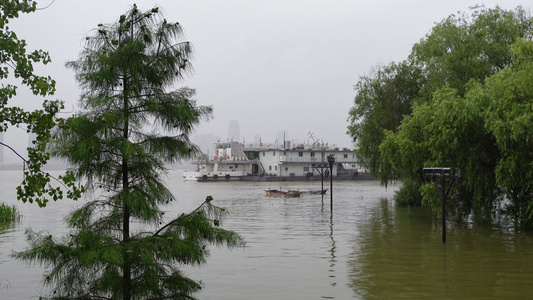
(443, 201)
(331, 192)
(322, 188)
(442, 173)
(331, 160)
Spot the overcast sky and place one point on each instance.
(274, 65)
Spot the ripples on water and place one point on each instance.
(297, 249)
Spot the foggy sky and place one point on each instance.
(278, 65)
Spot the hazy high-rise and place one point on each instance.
(234, 131)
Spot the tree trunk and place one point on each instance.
(126, 218)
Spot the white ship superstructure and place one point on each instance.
(228, 163)
(234, 161)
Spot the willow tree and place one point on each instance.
(130, 127)
(383, 99)
(509, 118)
(476, 118)
(459, 50)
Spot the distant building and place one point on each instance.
(205, 142)
(234, 131)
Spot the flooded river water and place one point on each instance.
(297, 248)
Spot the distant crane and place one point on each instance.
(311, 136)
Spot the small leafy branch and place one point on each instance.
(18, 62)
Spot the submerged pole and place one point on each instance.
(331, 191)
(442, 173)
(322, 190)
(443, 201)
(331, 160)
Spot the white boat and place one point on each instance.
(228, 163)
(265, 162)
(204, 176)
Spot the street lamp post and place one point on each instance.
(442, 173)
(331, 160)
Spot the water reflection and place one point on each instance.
(7, 230)
(6, 227)
(398, 254)
(333, 260)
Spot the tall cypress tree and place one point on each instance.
(119, 144)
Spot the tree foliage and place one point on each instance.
(17, 62)
(471, 112)
(509, 119)
(383, 99)
(131, 126)
(448, 131)
(466, 47)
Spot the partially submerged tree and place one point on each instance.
(118, 145)
(448, 131)
(16, 59)
(458, 49)
(509, 119)
(383, 99)
(450, 127)
(486, 133)
(454, 116)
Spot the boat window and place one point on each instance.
(312, 154)
(273, 153)
(300, 154)
(270, 168)
(306, 169)
(345, 155)
(275, 168)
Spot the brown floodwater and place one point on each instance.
(297, 248)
